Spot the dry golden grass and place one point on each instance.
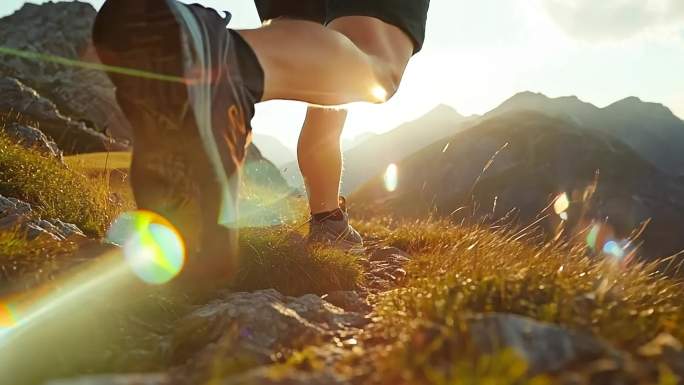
(459, 271)
(55, 191)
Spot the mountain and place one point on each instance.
(348, 144)
(274, 149)
(373, 156)
(511, 165)
(651, 129)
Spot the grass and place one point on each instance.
(279, 258)
(55, 191)
(418, 333)
(98, 162)
(460, 271)
(26, 262)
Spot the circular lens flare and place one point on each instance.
(391, 177)
(614, 249)
(592, 237)
(152, 247)
(562, 204)
(379, 93)
(7, 317)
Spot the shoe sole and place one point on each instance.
(171, 173)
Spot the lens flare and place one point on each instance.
(562, 204)
(152, 247)
(391, 177)
(379, 93)
(592, 237)
(8, 319)
(614, 249)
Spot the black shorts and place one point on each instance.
(409, 15)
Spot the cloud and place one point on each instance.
(602, 20)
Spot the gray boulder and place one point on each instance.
(124, 379)
(545, 347)
(27, 105)
(62, 29)
(251, 331)
(18, 215)
(33, 138)
(261, 323)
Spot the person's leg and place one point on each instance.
(308, 62)
(319, 153)
(320, 157)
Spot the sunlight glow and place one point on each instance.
(7, 317)
(391, 177)
(379, 93)
(19, 313)
(562, 204)
(152, 247)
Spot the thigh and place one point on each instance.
(312, 10)
(410, 16)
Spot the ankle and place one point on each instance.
(334, 215)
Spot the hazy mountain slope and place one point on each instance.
(651, 129)
(274, 149)
(538, 157)
(348, 144)
(373, 156)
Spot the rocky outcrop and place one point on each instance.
(33, 138)
(62, 29)
(24, 104)
(260, 323)
(546, 348)
(18, 215)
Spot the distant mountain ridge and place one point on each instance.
(651, 129)
(274, 149)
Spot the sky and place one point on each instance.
(479, 53)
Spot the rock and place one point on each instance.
(33, 138)
(62, 29)
(349, 301)
(123, 379)
(270, 376)
(262, 322)
(545, 347)
(385, 268)
(16, 99)
(389, 254)
(665, 348)
(16, 214)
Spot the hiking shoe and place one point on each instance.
(181, 79)
(335, 231)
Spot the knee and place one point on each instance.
(389, 74)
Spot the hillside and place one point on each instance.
(650, 129)
(514, 164)
(274, 150)
(373, 155)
